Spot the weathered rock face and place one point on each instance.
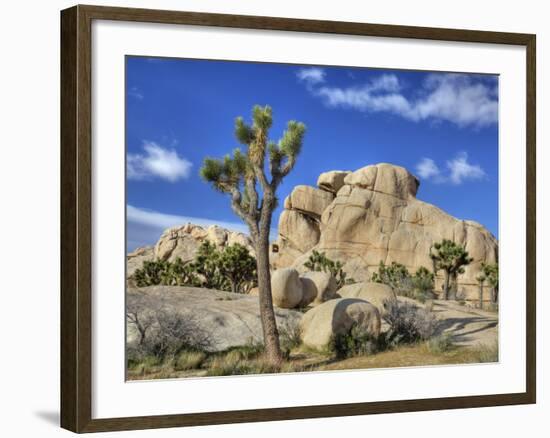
(335, 317)
(226, 319)
(375, 217)
(332, 181)
(135, 259)
(377, 294)
(184, 241)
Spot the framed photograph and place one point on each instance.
(270, 218)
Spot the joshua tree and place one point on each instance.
(395, 276)
(480, 281)
(238, 267)
(490, 270)
(240, 176)
(318, 261)
(451, 258)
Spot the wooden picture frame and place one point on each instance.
(76, 217)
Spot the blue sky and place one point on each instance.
(442, 127)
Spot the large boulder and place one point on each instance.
(223, 319)
(338, 316)
(376, 216)
(286, 288)
(375, 293)
(332, 181)
(321, 285)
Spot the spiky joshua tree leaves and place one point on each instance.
(244, 178)
(451, 258)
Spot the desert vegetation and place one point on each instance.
(231, 269)
(319, 262)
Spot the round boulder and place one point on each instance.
(338, 316)
(375, 293)
(322, 284)
(286, 288)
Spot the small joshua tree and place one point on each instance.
(481, 281)
(490, 270)
(318, 261)
(238, 267)
(240, 176)
(395, 276)
(451, 258)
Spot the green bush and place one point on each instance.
(418, 286)
(318, 261)
(356, 342)
(232, 269)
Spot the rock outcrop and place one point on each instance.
(377, 294)
(225, 318)
(184, 241)
(373, 215)
(338, 316)
(135, 259)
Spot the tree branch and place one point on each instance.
(241, 212)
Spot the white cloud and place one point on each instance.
(311, 75)
(427, 169)
(459, 170)
(455, 98)
(157, 162)
(144, 226)
(135, 93)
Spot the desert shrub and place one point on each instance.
(418, 286)
(440, 344)
(232, 269)
(181, 274)
(487, 353)
(151, 273)
(407, 323)
(356, 342)
(175, 333)
(318, 261)
(163, 333)
(289, 337)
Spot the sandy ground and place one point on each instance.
(469, 327)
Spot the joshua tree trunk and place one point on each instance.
(481, 295)
(446, 285)
(267, 314)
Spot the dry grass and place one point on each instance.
(413, 355)
(249, 360)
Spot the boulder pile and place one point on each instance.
(372, 215)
